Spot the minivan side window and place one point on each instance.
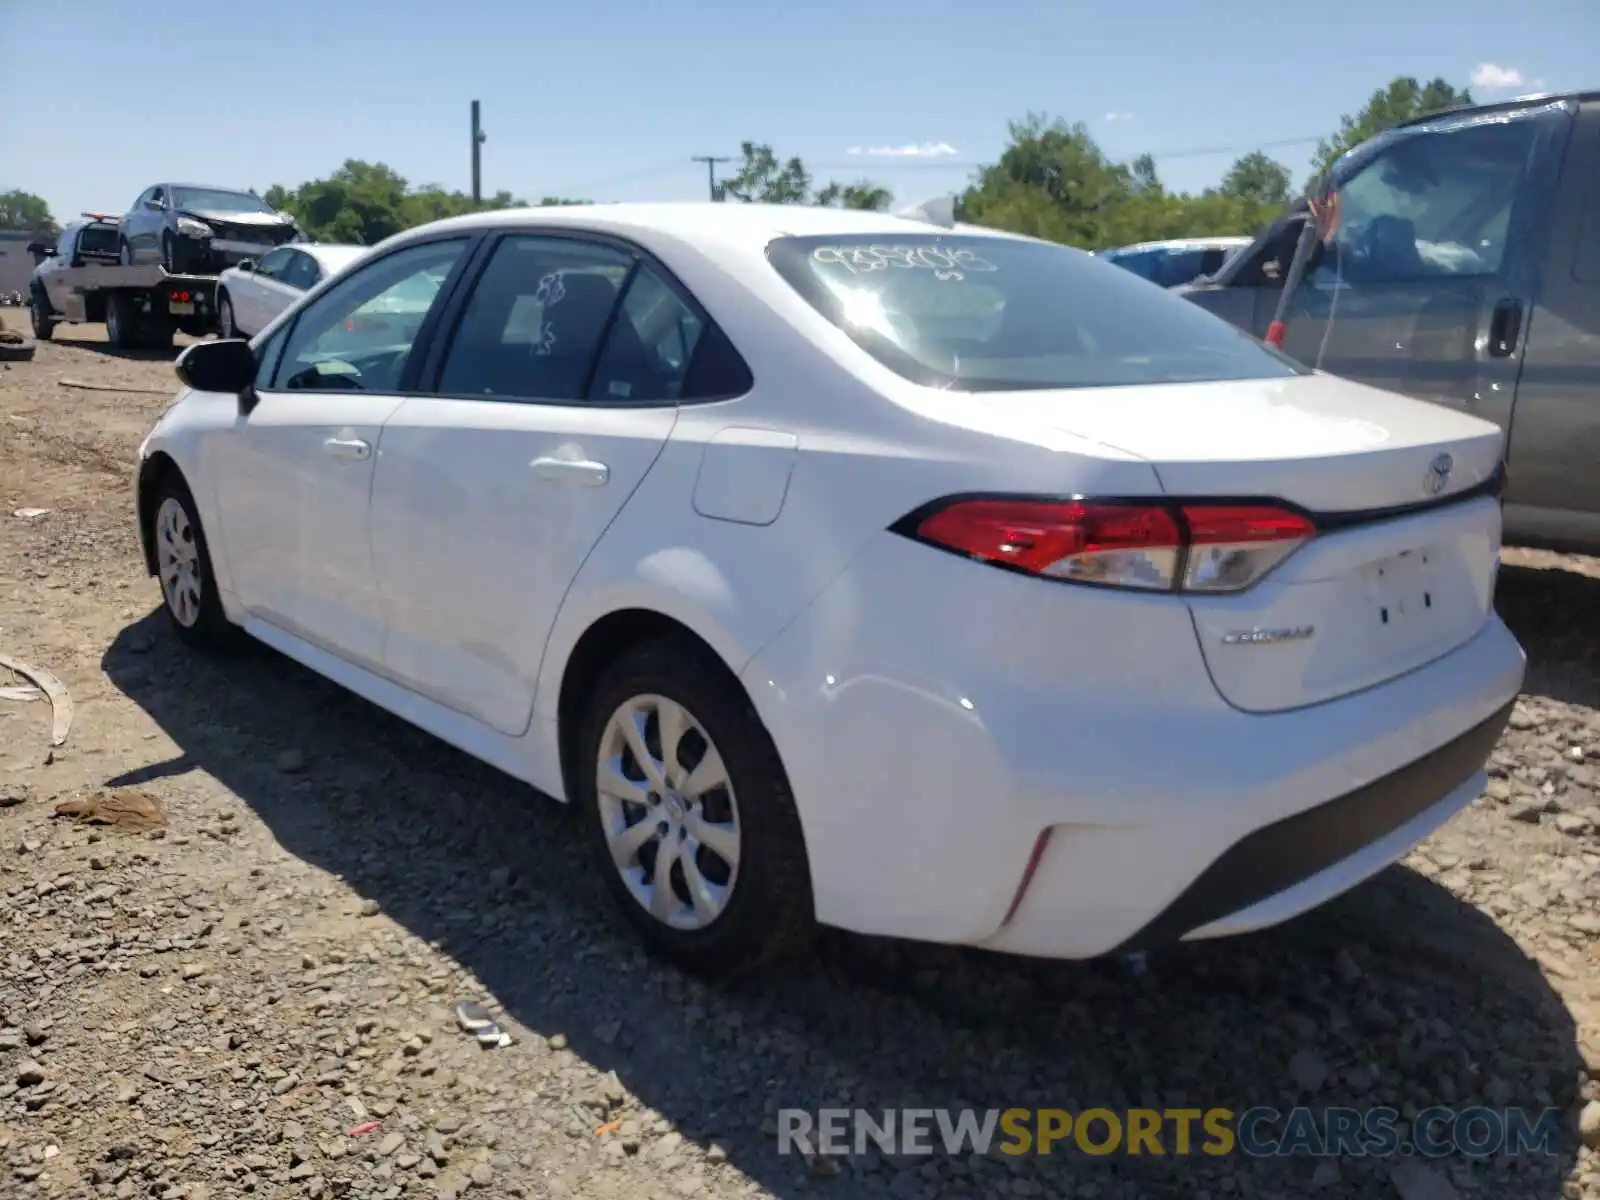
(1436, 205)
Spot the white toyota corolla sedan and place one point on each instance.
(854, 569)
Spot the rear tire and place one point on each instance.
(189, 593)
(155, 331)
(754, 912)
(122, 321)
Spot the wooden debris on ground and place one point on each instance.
(124, 808)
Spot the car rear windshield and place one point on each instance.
(217, 200)
(1002, 314)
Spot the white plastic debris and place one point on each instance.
(475, 1019)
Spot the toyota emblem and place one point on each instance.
(1438, 475)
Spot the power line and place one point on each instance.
(711, 161)
(869, 163)
(610, 181)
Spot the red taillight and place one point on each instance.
(1153, 546)
(180, 297)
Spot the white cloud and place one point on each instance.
(1119, 116)
(1492, 77)
(916, 150)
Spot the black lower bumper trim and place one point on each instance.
(1278, 856)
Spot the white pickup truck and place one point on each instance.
(79, 280)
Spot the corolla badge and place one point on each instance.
(1267, 637)
(1438, 475)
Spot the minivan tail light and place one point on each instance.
(1145, 545)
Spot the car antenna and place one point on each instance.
(1321, 223)
(940, 211)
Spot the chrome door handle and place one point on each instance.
(353, 448)
(576, 472)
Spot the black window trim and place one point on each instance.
(406, 386)
(432, 367)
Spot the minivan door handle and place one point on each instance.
(1505, 328)
(574, 472)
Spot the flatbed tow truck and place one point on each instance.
(79, 281)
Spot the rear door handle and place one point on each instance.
(352, 448)
(1505, 328)
(573, 472)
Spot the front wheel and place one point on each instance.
(183, 564)
(43, 327)
(689, 813)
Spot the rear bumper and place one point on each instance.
(934, 736)
(1291, 856)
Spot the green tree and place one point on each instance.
(25, 211)
(1052, 181)
(1258, 179)
(763, 178)
(865, 195)
(1402, 100)
(364, 203)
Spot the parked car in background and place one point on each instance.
(824, 603)
(1465, 269)
(1170, 263)
(198, 229)
(251, 293)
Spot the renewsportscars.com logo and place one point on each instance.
(1254, 1132)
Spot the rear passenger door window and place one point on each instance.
(564, 320)
(535, 321)
(651, 344)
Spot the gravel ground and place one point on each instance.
(250, 939)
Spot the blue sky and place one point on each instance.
(608, 99)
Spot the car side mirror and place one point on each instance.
(227, 367)
(246, 265)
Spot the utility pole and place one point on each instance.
(478, 138)
(711, 161)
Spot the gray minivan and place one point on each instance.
(1465, 269)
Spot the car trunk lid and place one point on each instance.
(1401, 492)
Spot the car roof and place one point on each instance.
(1512, 102)
(331, 254)
(705, 221)
(209, 187)
(1182, 244)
